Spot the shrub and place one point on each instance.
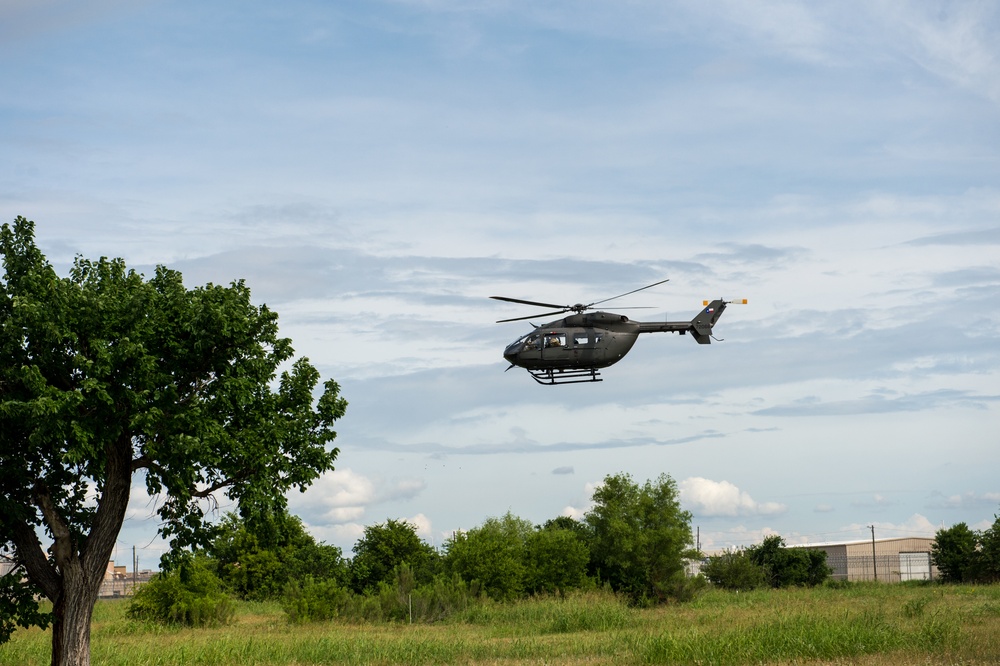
(400, 601)
(191, 595)
(314, 600)
(733, 570)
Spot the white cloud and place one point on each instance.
(970, 500)
(916, 525)
(344, 496)
(705, 497)
(957, 42)
(877, 500)
(737, 537)
(422, 524)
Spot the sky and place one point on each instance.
(376, 170)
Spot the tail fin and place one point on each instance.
(701, 325)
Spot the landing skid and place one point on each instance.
(551, 377)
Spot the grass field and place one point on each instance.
(873, 624)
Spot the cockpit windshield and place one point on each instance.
(527, 341)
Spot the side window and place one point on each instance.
(580, 339)
(531, 343)
(555, 340)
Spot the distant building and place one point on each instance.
(119, 582)
(895, 560)
(884, 560)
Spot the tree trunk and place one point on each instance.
(72, 612)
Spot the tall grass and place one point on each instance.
(869, 624)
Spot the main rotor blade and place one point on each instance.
(534, 316)
(629, 292)
(518, 300)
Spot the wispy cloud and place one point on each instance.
(879, 403)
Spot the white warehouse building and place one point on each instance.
(884, 560)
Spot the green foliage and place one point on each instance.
(733, 570)
(492, 555)
(104, 374)
(555, 561)
(400, 600)
(768, 563)
(954, 553)
(311, 600)
(963, 555)
(258, 560)
(385, 547)
(784, 567)
(989, 553)
(192, 596)
(18, 606)
(640, 537)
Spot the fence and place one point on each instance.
(889, 568)
(123, 585)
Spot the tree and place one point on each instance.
(733, 570)
(640, 536)
(954, 553)
(493, 555)
(105, 375)
(988, 559)
(784, 567)
(555, 560)
(386, 546)
(258, 563)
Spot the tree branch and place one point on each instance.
(30, 554)
(111, 507)
(62, 547)
(207, 492)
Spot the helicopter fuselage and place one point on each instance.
(574, 348)
(589, 340)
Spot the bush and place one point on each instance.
(256, 561)
(556, 561)
(401, 601)
(191, 595)
(493, 555)
(733, 570)
(784, 567)
(314, 600)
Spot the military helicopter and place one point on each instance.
(573, 349)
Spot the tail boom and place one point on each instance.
(700, 327)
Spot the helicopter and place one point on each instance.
(572, 350)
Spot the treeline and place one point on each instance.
(964, 555)
(635, 541)
(767, 564)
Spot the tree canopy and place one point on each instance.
(964, 555)
(105, 375)
(384, 547)
(640, 536)
(258, 563)
(493, 554)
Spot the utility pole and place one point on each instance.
(874, 561)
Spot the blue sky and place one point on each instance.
(376, 170)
